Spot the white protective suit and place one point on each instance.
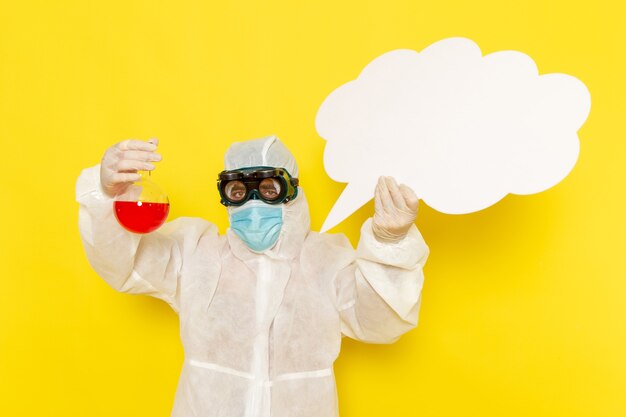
(260, 331)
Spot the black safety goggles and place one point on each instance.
(268, 184)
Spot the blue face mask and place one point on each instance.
(258, 225)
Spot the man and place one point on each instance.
(263, 308)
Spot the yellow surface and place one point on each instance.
(524, 310)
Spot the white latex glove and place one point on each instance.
(120, 163)
(395, 210)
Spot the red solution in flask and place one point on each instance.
(143, 207)
(140, 216)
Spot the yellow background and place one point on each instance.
(524, 308)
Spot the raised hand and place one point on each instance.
(120, 163)
(395, 210)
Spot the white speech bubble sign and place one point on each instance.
(461, 129)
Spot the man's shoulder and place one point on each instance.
(328, 247)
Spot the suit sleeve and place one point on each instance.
(378, 294)
(132, 263)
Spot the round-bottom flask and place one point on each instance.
(143, 207)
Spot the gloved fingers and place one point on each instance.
(133, 165)
(410, 198)
(378, 203)
(122, 177)
(396, 196)
(139, 145)
(145, 156)
(154, 141)
(385, 198)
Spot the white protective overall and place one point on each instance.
(260, 330)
